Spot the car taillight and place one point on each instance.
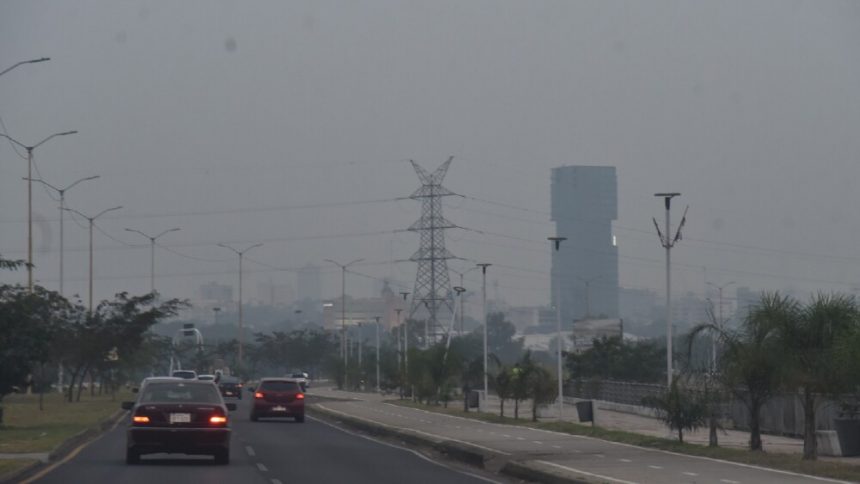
(217, 419)
(300, 396)
(259, 395)
(140, 419)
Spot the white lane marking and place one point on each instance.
(578, 471)
(625, 460)
(600, 455)
(656, 467)
(277, 481)
(262, 467)
(538, 442)
(691, 474)
(556, 446)
(729, 481)
(506, 436)
(521, 438)
(250, 450)
(646, 449)
(406, 449)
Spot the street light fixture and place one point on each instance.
(667, 241)
(92, 221)
(30, 149)
(343, 347)
(462, 274)
(483, 267)
(62, 193)
(32, 61)
(556, 242)
(241, 254)
(152, 253)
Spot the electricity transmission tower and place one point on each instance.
(432, 294)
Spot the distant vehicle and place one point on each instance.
(186, 374)
(206, 377)
(178, 416)
(278, 397)
(302, 378)
(230, 386)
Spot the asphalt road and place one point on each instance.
(266, 452)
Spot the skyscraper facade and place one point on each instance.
(585, 269)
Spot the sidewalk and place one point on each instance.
(613, 419)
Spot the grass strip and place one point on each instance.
(786, 462)
(27, 429)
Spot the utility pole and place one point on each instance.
(360, 341)
(62, 193)
(483, 267)
(152, 253)
(92, 221)
(720, 323)
(343, 335)
(378, 387)
(399, 343)
(241, 254)
(405, 340)
(460, 290)
(667, 241)
(29, 179)
(556, 242)
(588, 282)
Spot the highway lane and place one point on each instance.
(265, 452)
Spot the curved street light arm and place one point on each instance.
(32, 61)
(106, 211)
(79, 181)
(22, 145)
(40, 143)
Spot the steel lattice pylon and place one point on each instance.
(432, 294)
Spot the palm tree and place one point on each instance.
(678, 408)
(752, 361)
(811, 340)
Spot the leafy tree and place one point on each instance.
(503, 383)
(678, 408)
(752, 365)
(810, 340)
(542, 388)
(612, 358)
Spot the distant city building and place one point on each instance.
(636, 306)
(309, 283)
(363, 310)
(587, 330)
(274, 294)
(219, 293)
(584, 204)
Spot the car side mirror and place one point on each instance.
(231, 406)
(127, 405)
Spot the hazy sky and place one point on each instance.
(244, 122)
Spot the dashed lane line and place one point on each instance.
(729, 481)
(277, 481)
(262, 467)
(538, 442)
(250, 450)
(584, 473)
(691, 474)
(625, 460)
(656, 467)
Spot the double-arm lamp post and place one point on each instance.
(152, 253)
(30, 149)
(92, 221)
(241, 254)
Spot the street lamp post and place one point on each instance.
(719, 324)
(378, 387)
(62, 193)
(483, 267)
(460, 290)
(92, 221)
(668, 242)
(587, 282)
(405, 340)
(462, 274)
(32, 61)
(241, 254)
(556, 242)
(152, 253)
(343, 336)
(30, 149)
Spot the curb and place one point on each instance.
(461, 452)
(67, 446)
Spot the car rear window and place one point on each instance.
(279, 386)
(179, 393)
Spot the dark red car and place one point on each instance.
(278, 397)
(178, 416)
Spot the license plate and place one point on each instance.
(228, 393)
(180, 418)
(279, 409)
